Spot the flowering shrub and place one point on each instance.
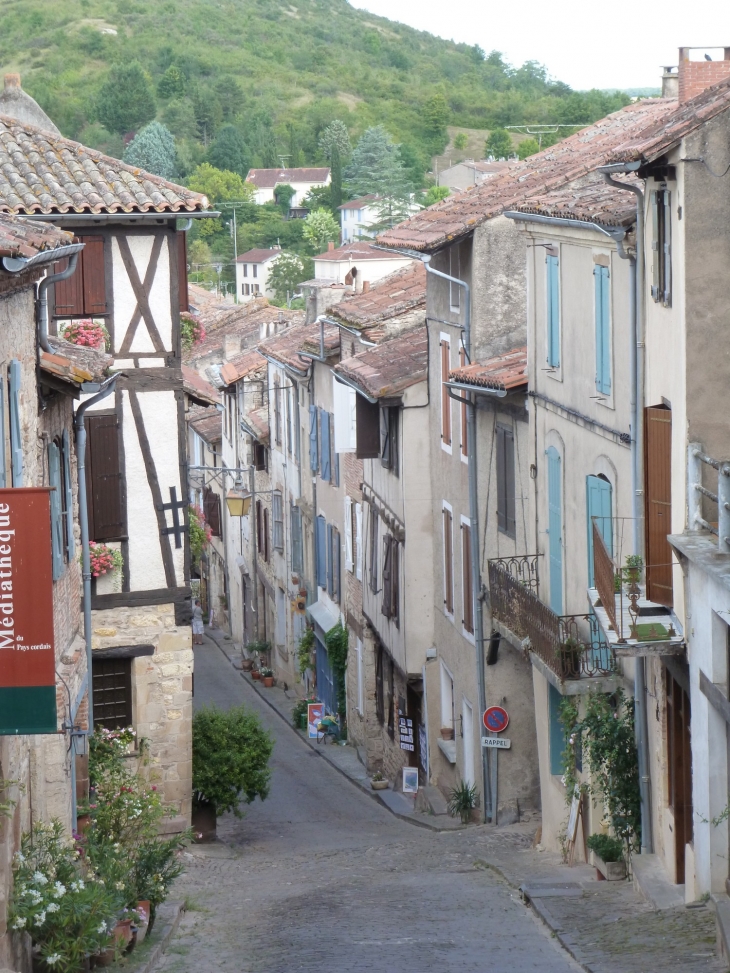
(107, 747)
(200, 532)
(87, 333)
(68, 913)
(104, 559)
(192, 331)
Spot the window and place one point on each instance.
(462, 410)
(230, 416)
(255, 270)
(326, 450)
(445, 397)
(358, 541)
(454, 271)
(245, 270)
(243, 289)
(277, 412)
(344, 407)
(349, 560)
(297, 429)
(333, 562)
(389, 606)
(297, 540)
(260, 456)
(212, 510)
(553, 310)
(661, 245)
(16, 442)
(112, 687)
(360, 680)
(447, 698)
(389, 439)
(313, 440)
(598, 508)
(104, 479)
(601, 277)
(467, 590)
(278, 518)
(506, 480)
(557, 733)
(247, 290)
(259, 526)
(255, 289)
(373, 579)
(321, 541)
(367, 422)
(266, 551)
(448, 560)
(287, 394)
(84, 292)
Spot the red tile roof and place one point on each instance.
(268, 178)
(402, 291)
(391, 367)
(241, 320)
(359, 250)
(561, 164)
(258, 420)
(358, 203)
(595, 203)
(285, 347)
(249, 363)
(45, 173)
(74, 363)
(25, 238)
(197, 387)
(208, 423)
(508, 371)
(258, 256)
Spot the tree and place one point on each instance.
(219, 185)
(126, 100)
(435, 194)
(376, 168)
(336, 176)
(228, 151)
(461, 141)
(318, 197)
(283, 196)
(289, 270)
(320, 228)
(527, 147)
(179, 116)
(172, 83)
(499, 144)
(153, 149)
(335, 136)
(436, 114)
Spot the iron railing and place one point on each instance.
(570, 645)
(696, 491)
(604, 574)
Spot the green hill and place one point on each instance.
(278, 71)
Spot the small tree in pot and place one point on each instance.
(231, 753)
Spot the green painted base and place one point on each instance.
(27, 709)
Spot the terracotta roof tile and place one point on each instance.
(25, 238)
(246, 364)
(358, 250)
(391, 367)
(285, 347)
(196, 386)
(268, 178)
(241, 320)
(208, 423)
(258, 420)
(45, 173)
(506, 371)
(568, 161)
(74, 363)
(360, 203)
(405, 290)
(258, 256)
(595, 203)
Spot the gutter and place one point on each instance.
(119, 217)
(16, 265)
(476, 389)
(300, 373)
(353, 332)
(344, 381)
(617, 233)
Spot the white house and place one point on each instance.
(357, 216)
(463, 175)
(356, 264)
(252, 273)
(265, 182)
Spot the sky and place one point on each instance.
(586, 45)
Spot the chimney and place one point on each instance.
(365, 286)
(330, 247)
(670, 82)
(696, 76)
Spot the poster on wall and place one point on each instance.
(410, 780)
(405, 732)
(315, 713)
(27, 649)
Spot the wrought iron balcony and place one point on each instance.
(570, 645)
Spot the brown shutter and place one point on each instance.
(68, 294)
(658, 481)
(448, 562)
(387, 576)
(394, 581)
(212, 510)
(466, 578)
(266, 533)
(104, 479)
(182, 270)
(367, 418)
(94, 278)
(445, 398)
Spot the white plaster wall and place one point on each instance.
(125, 301)
(368, 269)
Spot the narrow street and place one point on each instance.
(320, 877)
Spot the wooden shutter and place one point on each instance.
(16, 442)
(379, 694)
(212, 510)
(553, 310)
(104, 479)
(326, 449)
(394, 589)
(54, 479)
(266, 534)
(278, 513)
(277, 412)
(68, 299)
(367, 419)
(506, 521)
(656, 256)
(93, 275)
(259, 527)
(336, 564)
(386, 606)
(603, 329)
(466, 579)
(373, 573)
(445, 397)
(313, 451)
(335, 467)
(297, 547)
(349, 561)
(68, 495)
(182, 270)
(679, 766)
(358, 541)
(658, 483)
(384, 439)
(448, 561)
(555, 529)
(321, 538)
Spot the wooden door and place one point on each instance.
(658, 504)
(679, 762)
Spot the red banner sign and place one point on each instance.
(27, 648)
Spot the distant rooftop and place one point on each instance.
(258, 256)
(268, 178)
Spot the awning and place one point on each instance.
(323, 617)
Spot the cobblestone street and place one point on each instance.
(321, 877)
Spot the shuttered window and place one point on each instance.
(358, 541)
(506, 480)
(601, 279)
(445, 398)
(389, 606)
(326, 450)
(313, 443)
(297, 541)
(212, 510)
(389, 439)
(367, 420)
(16, 443)
(330, 561)
(553, 310)
(54, 480)
(598, 509)
(260, 456)
(661, 245)
(349, 561)
(379, 693)
(267, 535)
(182, 270)
(277, 412)
(467, 588)
(259, 527)
(658, 501)
(373, 573)
(112, 685)
(335, 467)
(84, 292)
(321, 539)
(334, 564)
(448, 561)
(278, 518)
(104, 479)
(287, 399)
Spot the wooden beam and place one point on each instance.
(141, 292)
(138, 599)
(122, 652)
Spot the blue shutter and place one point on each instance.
(313, 458)
(3, 469)
(557, 733)
(297, 549)
(330, 562)
(553, 311)
(69, 503)
(16, 445)
(321, 539)
(598, 505)
(603, 330)
(324, 423)
(555, 530)
(336, 470)
(54, 478)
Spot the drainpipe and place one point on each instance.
(107, 387)
(638, 331)
(42, 304)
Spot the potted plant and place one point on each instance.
(632, 570)
(231, 753)
(447, 732)
(608, 856)
(378, 782)
(267, 676)
(570, 653)
(256, 674)
(260, 649)
(462, 800)
(246, 664)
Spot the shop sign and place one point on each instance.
(405, 732)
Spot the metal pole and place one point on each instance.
(254, 560)
(235, 258)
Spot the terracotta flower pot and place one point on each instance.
(123, 933)
(447, 733)
(83, 822)
(255, 674)
(247, 665)
(268, 681)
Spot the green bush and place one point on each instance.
(606, 847)
(231, 753)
